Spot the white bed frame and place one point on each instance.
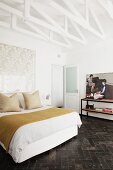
(47, 143)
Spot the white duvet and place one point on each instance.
(30, 133)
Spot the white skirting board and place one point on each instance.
(47, 143)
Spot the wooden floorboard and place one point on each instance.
(92, 149)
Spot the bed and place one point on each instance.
(38, 137)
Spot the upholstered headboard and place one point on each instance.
(17, 68)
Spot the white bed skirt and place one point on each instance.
(47, 143)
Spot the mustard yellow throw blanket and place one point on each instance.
(9, 124)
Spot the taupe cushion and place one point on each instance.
(32, 101)
(9, 103)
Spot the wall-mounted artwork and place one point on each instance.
(17, 68)
(99, 86)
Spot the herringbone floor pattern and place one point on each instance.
(92, 149)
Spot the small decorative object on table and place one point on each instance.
(90, 106)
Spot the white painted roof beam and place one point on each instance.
(27, 4)
(108, 8)
(31, 18)
(98, 23)
(73, 9)
(75, 19)
(68, 14)
(79, 31)
(54, 23)
(39, 22)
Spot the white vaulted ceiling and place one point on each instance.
(58, 21)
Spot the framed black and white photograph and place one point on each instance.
(99, 86)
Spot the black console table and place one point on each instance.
(95, 110)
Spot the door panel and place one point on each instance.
(71, 95)
(57, 86)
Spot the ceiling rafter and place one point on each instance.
(79, 31)
(31, 18)
(76, 19)
(68, 13)
(72, 18)
(27, 4)
(10, 9)
(68, 44)
(54, 23)
(73, 9)
(34, 20)
(15, 27)
(108, 6)
(97, 22)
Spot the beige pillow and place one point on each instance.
(32, 101)
(9, 103)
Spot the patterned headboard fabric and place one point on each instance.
(17, 68)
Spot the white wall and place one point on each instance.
(95, 57)
(46, 54)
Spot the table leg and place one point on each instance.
(81, 109)
(87, 104)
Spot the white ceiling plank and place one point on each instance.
(108, 6)
(60, 43)
(11, 9)
(98, 23)
(67, 44)
(29, 33)
(79, 31)
(4, 24)
(73, 9)
(36, 29)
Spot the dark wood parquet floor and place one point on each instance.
(92, 149)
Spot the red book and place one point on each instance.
(108, 110)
